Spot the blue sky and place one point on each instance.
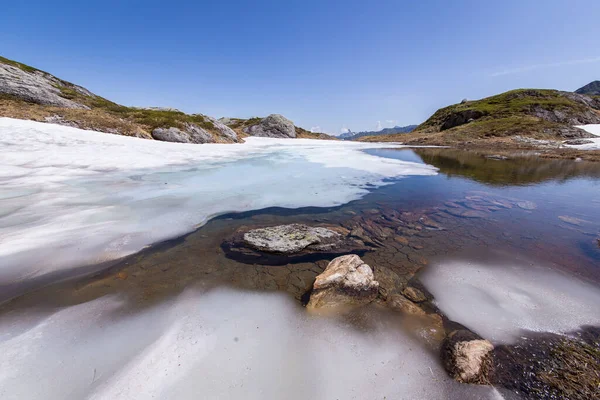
(327, 64)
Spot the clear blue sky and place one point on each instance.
(330, 64)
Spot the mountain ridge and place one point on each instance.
(385, 131)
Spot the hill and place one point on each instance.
(384, 131)
(506, 118)
(29, 93)
(591, 89)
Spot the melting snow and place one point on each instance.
(594, 129)
(71, 197)
(498, 301)
(222, 345)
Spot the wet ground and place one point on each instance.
(524, 208)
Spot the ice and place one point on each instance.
(223, 344)
(594, 129)
(71, 197)
(498, 300)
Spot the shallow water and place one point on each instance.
(185, 319)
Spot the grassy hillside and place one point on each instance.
(533, 113)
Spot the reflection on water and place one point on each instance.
(516, 170)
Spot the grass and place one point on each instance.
(19, 65)
(512, 104)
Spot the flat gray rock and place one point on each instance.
(289, 239)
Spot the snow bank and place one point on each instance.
(71, 197)
(498, 301)
(594, 129)
(222, 345)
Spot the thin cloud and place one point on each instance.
(533, 67)
(316, 129)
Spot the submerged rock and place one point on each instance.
(347, 281)
(274, 126)
(466, 357)
(414, 294)
(402, 304)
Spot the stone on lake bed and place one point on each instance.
(572, 220)
(414, 294)
(527, 205)
(347, 281)
(401, 303)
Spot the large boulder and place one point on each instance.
(467, 357)
(347, 281)
(274, 126)
(192, 134)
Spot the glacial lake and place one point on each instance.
(508, 247)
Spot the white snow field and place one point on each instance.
(71, 197)
(223, 344)
(594, 129)
(500, 300)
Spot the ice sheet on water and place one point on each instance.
(71, 197)
(594, 129)
(222, 345)
(499, 300)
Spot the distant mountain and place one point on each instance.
(386, 131)
(591, 89)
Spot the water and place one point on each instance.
(184, 318)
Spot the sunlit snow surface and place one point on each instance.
(221, 345)
(71, 197)
(500, 300)
(594, 129)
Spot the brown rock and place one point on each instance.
(347, 281)
(401, 303)
(402, 240)
(414, 294)
(466, 357)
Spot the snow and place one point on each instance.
(71, 197)
(223, 344)
(500, 300)
(594, 129)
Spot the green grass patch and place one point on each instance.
(19, 65)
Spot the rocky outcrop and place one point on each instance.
(347, 281)
(34, 86)
(274, 126)
(467, 357)
(192, 134)
(460, 118)
(222, 128)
